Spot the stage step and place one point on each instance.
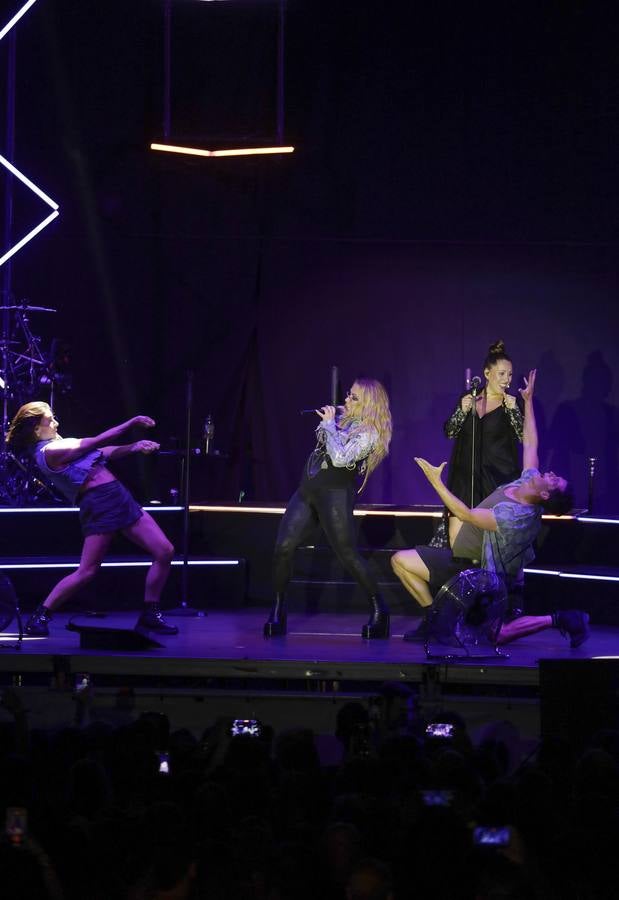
(344, 596)
(322, 585)
(56, 531)
(249, 533)
(212, 581)
(571, 542)
(594, 589)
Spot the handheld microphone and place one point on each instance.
(475, 385)
(338, 409)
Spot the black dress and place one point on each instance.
(497, 458)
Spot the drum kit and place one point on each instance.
(27, 372)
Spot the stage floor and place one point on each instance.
(322, 647)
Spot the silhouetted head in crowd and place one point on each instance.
(370, 879)
(349, 718)
(26, 872)
(295, 750)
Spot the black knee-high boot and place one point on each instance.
(378, 624)
(275, 625)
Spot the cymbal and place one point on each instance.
(25, 308)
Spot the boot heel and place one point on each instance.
(376, 630)
(275, 625)
(38, 623)
(377, 625)
(275, 628)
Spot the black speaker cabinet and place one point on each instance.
(578, 698)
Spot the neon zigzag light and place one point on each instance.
(16, 18)
(11, 168)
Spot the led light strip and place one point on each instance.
(578, 576)
(28, 183)
(399, 513)
(134, 564)
(74, 509)
(275, 510)
(585, 577)
(16, 18)
(239, 151)
(122, 564)
(598, 521)
(554, 572)
(28, 237)
(9, 637)
(278, 510)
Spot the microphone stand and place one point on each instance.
(185, 609)
(335, 383)
(474, 390)
(591, 479)
(335, 392)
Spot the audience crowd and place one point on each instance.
(405, 815)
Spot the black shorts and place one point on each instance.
(107, 508)
(442, 565)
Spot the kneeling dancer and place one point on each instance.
(498, 535)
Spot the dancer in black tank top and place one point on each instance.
(487, 433)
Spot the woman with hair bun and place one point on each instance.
(487, 427)
(351, 442)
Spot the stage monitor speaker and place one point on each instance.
(100, 637)
(578, 697)
(9, 610)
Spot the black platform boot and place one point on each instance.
(378, 623)
(422, 633)
(275, 625)
(38, 623)
(152, 620)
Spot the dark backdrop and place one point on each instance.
(454, 182)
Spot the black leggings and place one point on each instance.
(332, 508)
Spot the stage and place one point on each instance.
(220, 664)
(326, 647)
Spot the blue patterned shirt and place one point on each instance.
(508, 549)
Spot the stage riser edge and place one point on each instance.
(123, 588)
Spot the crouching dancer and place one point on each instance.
(77, 467)
(498, 535)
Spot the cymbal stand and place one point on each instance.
(19, 381)
(25, 363)
(7, 231)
